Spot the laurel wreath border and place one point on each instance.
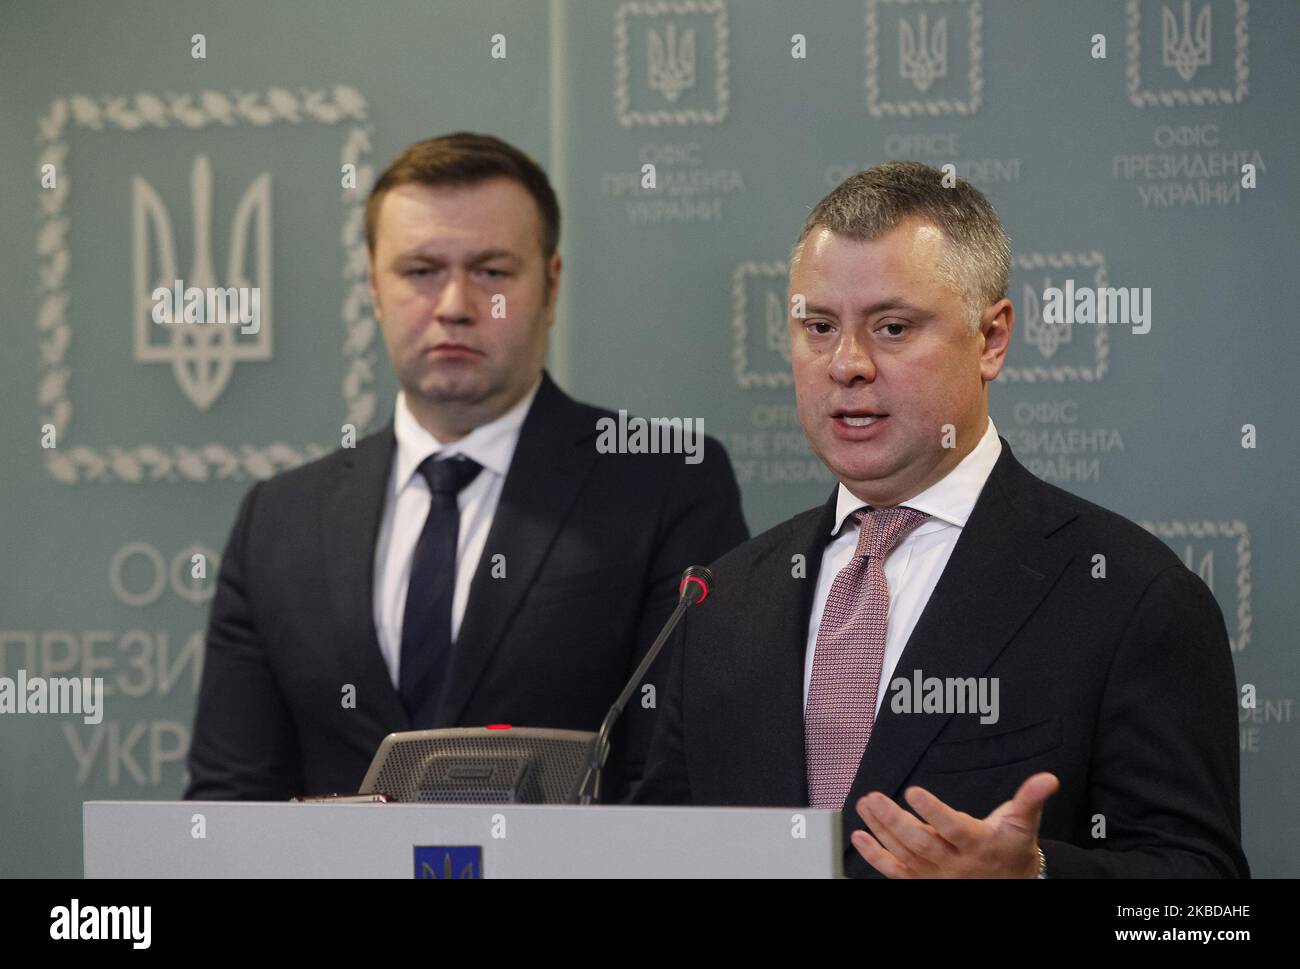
(627, 118)
(749, 379)
(1177, 97)
(1236, 528)
(147, 462)
(933, 106)
(1101, 336)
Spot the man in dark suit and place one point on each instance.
(482, 559)
(1043, 684)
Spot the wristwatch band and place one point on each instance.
(1042, 864)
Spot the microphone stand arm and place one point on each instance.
(589, 789)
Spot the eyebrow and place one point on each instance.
(476, 259)
(880, 306)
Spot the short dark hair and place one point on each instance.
(466, 158)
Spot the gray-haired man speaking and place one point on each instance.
(937, 633)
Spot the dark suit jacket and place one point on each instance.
(1122, 686)
(594, 545)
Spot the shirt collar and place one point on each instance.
(951, 498)
(492, 444)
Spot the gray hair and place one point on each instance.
(976, 261)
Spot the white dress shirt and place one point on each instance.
(913, 568)
(406, 506)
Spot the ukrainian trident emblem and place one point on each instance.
(1048, 337)
(1184, 52)
(922, 58)
(202, 357)
(671, 61)
(778, 329)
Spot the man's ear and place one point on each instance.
(553, 269)
(557, 264)
(370, 285)
(997, 324)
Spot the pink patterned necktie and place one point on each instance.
(848, 657)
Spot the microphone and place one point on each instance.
(694, 588)
(696, 582)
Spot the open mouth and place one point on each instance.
(858, 418)
(858, 425)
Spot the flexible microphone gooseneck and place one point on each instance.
(694, 588)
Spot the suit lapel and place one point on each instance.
(353, 511)
(554, 454)
(999, 571)
(770, 679)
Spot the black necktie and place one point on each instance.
(426, 621)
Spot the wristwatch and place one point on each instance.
(1042, 864)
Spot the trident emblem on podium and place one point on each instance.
(922, 59)
(671, 62)
(1183, 53)
(202, 357)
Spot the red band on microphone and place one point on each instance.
(691, 578)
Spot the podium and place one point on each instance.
(208, 839)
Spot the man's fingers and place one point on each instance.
(915, 844)
(1025, 810)
(1033, 793)
(958, 828)
(877, 857)
(946, 842)
(1039, 786)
